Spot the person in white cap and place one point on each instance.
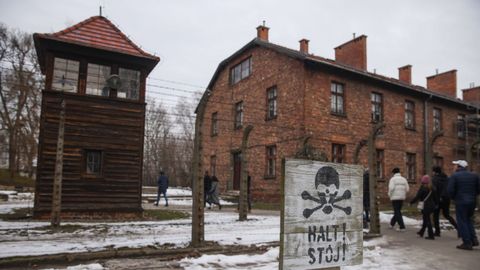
(463, 188)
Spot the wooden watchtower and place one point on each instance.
(100, 74)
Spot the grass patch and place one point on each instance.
(18, 180)
(164, 214)
(17, 214)
(266, 206)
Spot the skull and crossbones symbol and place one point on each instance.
(328, 180)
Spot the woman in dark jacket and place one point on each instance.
(428, 195)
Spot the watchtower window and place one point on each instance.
(65, 75)
(97, 76)
(130, 83)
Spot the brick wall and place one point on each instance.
(304, 109)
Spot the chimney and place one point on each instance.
(444, 83)
(262, 32)
(304, 45)
(472, 95)
(405, 74)
(353, 53)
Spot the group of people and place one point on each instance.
(433, 197)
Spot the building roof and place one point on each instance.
(101, 33)
(317, 60)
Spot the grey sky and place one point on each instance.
(193, 37)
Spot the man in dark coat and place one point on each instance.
(207, 185)
(463, 188)
(440, 182)
(162, 187)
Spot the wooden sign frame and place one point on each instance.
(321, 215)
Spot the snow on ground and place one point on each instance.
(179, 196)
(385, 217)
(93, 266)
(35, 238)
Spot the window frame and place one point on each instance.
(437, 119)
(410, 112)
(238, 123)
(241, 69)
(272, 100)
(411, 166)
(375, 104)
(335, 95)
(213, 164)
(87, 76)
(77, 87)
(438, 161)
(270, 161)
(214, 124)
(85, 172)
(461, 126)
(338, 153)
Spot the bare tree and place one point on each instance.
(20, 98)
(186, 121)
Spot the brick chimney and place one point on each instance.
(304, 45)
(472, 95)
(405, 74)
(353, 53)
(444, 83)
(262, 32)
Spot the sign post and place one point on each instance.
(321, 215)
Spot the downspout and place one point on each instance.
(426, 144)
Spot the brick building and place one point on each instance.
(299, 102)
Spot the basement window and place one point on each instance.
(93, 162)
(241, 71)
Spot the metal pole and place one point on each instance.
(374, 212)
(57, 182)
(243, 199)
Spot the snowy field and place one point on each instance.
(21, 238)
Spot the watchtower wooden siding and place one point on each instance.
(114, 127)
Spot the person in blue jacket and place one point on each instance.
(162, 188)
(463, 188)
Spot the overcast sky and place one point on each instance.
(193, 37)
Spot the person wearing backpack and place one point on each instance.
(426, 195)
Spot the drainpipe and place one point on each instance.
(426, 147)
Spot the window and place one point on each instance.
(213, 165)
(409, 114)
(65, 75)
(214, 124)
(97, 76)
(461, 126)
(438, 161)
(437, 119)
(271, 160)
(130, 80)
(239, 114)
(241, 71)
(337, 98)
(411, 166)
(271, 103)
(380, 163)
(338, 153)
(377, 105)
(93, 162)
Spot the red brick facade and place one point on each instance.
(303, 86)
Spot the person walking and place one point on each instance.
(162, 188)
(207, 185)
(427, 195)
(366, 199)
(463, 188)
(397, 192)
(213, 197)
(440, 183)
